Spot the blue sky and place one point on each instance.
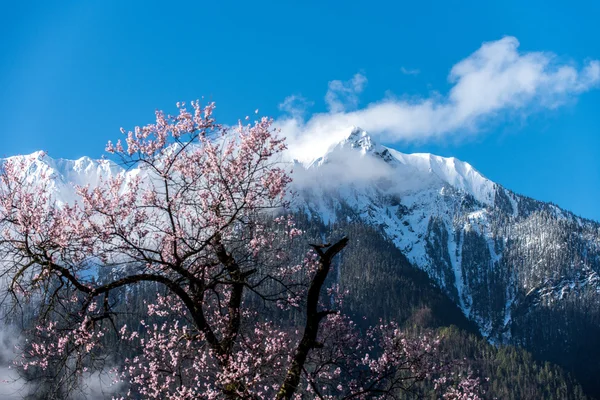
(523, 109)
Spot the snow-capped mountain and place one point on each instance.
(452, 222)
(526, 272)
(63, 175)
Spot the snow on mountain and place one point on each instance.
(395, 187)
(464, 230)
(63, 175)
(458, 174)
(427, 167)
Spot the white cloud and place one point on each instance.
(295, 105)
(493, 80)
(96, 385)
(11, 385)
(340, 169)
(342, 96)
(407, 71)
(100, 385)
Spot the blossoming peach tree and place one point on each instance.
(204, 219)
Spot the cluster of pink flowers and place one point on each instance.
(195, 221)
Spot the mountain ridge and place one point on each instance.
(457, 173)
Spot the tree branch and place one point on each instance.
(313, 318)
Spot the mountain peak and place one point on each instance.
(359, 138)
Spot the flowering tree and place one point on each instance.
(205, 219)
